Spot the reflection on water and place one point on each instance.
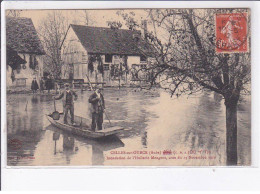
(153, 121)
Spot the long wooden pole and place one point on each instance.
(94, 91)
(26, 105)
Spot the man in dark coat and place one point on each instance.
(34, 86)
(48, 84)
(98, 107)
(68, 102)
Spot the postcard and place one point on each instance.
(128, 87)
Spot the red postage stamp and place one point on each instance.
(231, 32)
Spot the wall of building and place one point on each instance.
(74, 57)
(132, 60)
(25, 73)
(108, 78)
(125, 78)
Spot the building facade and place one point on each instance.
(22, 38)
(104, 55)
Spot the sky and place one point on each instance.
(99, 18)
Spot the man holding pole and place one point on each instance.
(98, 108)
(68, 102)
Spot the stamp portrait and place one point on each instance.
(231, 32)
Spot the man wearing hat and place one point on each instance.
(98, 107)
(68, 102)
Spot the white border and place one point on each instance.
(151, 178)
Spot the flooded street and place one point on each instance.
(153, 121)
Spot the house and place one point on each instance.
(24, 52)
(103, 54)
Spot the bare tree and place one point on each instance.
(82, 17)
(187, 61)
(86, 17)
(52, 31)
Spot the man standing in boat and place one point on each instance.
(68, 102)
(98, 107)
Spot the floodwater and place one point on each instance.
(153, 122)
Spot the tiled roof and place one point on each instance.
(22, 37)
(13, 59)
(109, 41)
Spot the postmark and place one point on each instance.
(231, 32)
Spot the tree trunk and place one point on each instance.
(119, 82)
(231, 132)
(55, 86)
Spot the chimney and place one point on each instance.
(144, 28)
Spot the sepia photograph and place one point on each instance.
(128, 87)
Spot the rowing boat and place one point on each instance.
(81, 128)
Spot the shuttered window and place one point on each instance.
(108, 58)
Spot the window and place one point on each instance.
(108, 58)
(106, 67)
(21, 82)
(143, 58)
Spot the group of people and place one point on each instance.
(96, 99)
(68, 97)
(44, 84)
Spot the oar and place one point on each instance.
(107, 118)
(55, 114)
(102, 107)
